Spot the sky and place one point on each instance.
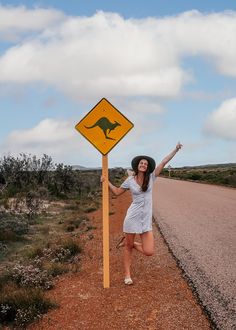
(168, 66)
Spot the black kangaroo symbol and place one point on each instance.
(105, 126)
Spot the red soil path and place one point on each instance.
(159, 299)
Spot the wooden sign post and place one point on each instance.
(104, 126)
(105, 220)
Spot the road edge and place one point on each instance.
(191, 284)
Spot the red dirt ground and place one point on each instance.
(159, 299)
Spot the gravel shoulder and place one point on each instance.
(159, 299)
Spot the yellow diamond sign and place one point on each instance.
(104, 126)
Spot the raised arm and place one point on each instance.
(162, 164)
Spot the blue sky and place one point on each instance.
(170, 67)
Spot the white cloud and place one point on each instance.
(140, 106)
(105, 54)
(56, 138)
(222, 122)
(209, 35)
(16, 20)
(47, 129)
(102, 54)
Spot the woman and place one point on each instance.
(138, 219)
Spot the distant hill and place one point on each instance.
(226, 165)
(83, 168)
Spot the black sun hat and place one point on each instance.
(135, 161)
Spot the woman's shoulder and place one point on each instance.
(129, 178)
(130, 172)
(130, 175)
(126, 183)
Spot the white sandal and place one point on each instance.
(128, 281)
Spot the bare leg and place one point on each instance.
(121, 243)
(129, 243)
(139, 247)
(147, 245)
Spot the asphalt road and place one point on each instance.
(198, 222)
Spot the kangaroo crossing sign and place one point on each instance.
(104, 126)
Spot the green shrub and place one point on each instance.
(4, 279)
(22, 305)
(90, 228)
(3, 249)
(78, 222)
(232, 180)
(70, 228)
(55, 269)
(71, 225)
(72, 246)
(90, 209)
(45, 229)
(58, 252)
(71, 207)
(194, 176)
(12, 227)
(35, 251)
(31, 276)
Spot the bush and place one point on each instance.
(55, 269)
(36, 251)
(62, 251)
(90, 209)
(33, 203)
(3, 249)
(194, 176)
(12, 227)
(31, 276)
(78, 221)
(22, 305)
(70, 228)
(4, 279)
(71, 246)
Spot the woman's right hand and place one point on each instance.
(178, 146)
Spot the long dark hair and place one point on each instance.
(146, 178)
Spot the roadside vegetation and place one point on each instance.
(222, 174)
(45, 217)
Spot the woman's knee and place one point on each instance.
(148, 252)
(148, 243)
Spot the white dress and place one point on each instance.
(138, 218)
